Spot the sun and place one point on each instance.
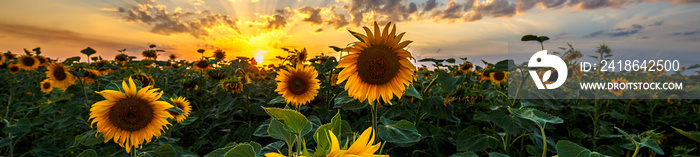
(260, 57)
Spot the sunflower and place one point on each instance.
(42, 60)
(219, 54)
(2, 58)
(144, 79)
(129, 118)
(87, 74)
(361, 147)
(466, 67)
(14, 68)
(46, 86)
(189, 84)
(149, 54)
(234, 86)
(184, 105)
(201, 65)
(574, 73)
(122, 58)
(573, 55)
(377, 67)
(498, 77)
(168, 64)
(217, 74)
(301, 56)
(172, 56)
(244, 79)
(458, 73)
(617, 91)
(28, 63)
(59, 76)
(298, 85)
(101, 64)
(484, 75)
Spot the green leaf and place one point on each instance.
(71, 60)
(569, 149)
(478, 142)
(276, 130)
(398, 132)
(251, 149)
(537, 116)
(450, 60)
(542, 38)
(336, 48)
(88, 51)
(505, 65)
(84, 137)
(22, 126)
(322, 137)
(494, 154)
(277, 100)
(294, 121)
(165, 151)
(411, 91)
(353, 34)
(529, 37)
(645, 142)
(347, 103)
(465, 154)
(88, 153)
(694, 135)
(510, 124)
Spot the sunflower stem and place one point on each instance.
(374, 120)
(87, 104)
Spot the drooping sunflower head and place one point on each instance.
(244, 79)
(122, 58)
(219, 54)
(217, 74)
(574, 73)
(378, 66)
(88, 74)
(59, 76)
(46, 86)
(183, 105)
(617, 91)
(233, 86)
(150, 54)
(144, 79)
(201, 65)
(14, 68)
(466, 66)
(43, 61)
(573, 55)
(27, 62)
(128, 118)
(498, 77)
(298, 85)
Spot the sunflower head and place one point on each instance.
(378, 66)
(498, 77)
(28, 63)
(42, 60)
(122, 58)
(182, 104)
(362, 146)
(59, 76)
(217, 74)
(168, 64)
(617, 91)
(46, 86)
(2, 58)
(484, 75)
(101, 64)
(14, 68)
(172, 56)
(88, 74)
(298, 85)
(149, 54)
(219, 54)
(244, 79)
(573, 55)
(234, 86)
(301, 56)
(466, 66)
(144, 79)
(128, 118)
(201, 65)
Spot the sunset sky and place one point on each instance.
(259, 28)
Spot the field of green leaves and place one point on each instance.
(235, 107)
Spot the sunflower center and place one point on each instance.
(28, 61)
(377, 65)
(499, 76)
(202, 64)
(297, 85)
(14, 68)
(131, 114)
(46, 85)
(219, 55)
(59, 73)
(121, 58)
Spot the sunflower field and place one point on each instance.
(371, 100)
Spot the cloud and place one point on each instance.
(696, 31)
(314, 14)
(429, 5)
(656, 23)
(337, 20)
(58, 36)
(453, 11)
(595, 4)
(595, 34)
(165, 23)
(624, 32)
(275, 22)
(319, 30)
